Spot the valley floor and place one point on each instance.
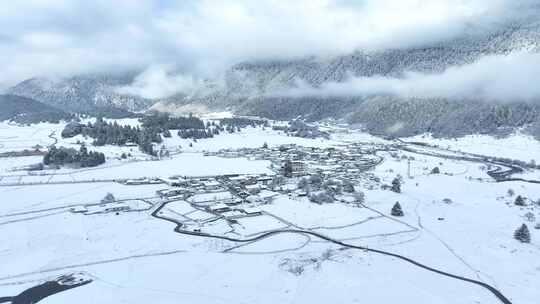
(461, 221)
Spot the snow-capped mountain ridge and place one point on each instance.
(256, 78)
(249, 88)
(81, 93)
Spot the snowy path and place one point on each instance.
(265, 235)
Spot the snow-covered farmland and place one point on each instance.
(516, 146)
(459, 221)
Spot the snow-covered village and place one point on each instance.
(270, 151)
(295, 208)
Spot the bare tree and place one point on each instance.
(303, 184)
(511, 192)
(348, 186)
(529, 216)
(321, 198)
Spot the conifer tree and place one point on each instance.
(519, 201)
(396, 210)
(396, 185)
(522, 234)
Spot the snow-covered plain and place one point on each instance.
(133, 257)
(516, 146)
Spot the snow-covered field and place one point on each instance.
(517, 146)
(133, 257)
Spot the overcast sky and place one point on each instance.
(66, 37)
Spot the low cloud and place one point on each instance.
(200, 37)
(160, 82)
(492, 78)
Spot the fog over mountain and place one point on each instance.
(349, 60)
(203, 38)
(493, 78)
(158, 82)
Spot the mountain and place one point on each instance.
(256, 78)
(249, 87)
(25, 110)
(93, 94)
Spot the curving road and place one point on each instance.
(264, 235)
(53, 137)
(502, 172)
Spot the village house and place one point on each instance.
(211, 185)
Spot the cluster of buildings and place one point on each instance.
(217, 200)
(233, 189)
(116, 207)
(345, 162)
(209, 201)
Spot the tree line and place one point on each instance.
(152, 128)
(63, 156)
(162, 122)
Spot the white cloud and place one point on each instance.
(64, 37)
(496, 78)
(159, 82)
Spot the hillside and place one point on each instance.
(25, 110)
(93, 94)
(255, 87)
(256, 78)
(390, 116)
(250, 87)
